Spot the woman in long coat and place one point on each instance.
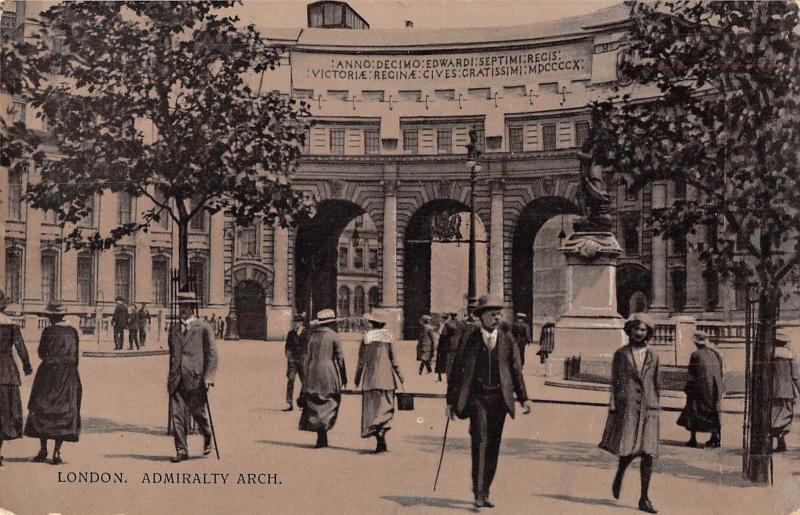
(324, 377)
(785, 389)
(54, 408)
(425, 344)
(632, 427)
(704, 390)
(379, 370)
(10, 401)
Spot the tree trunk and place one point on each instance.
(183, 255)
(759, 469)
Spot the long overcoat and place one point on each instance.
(193, 354)
(10, 400)
(632, 426)
(704, 390)
(425, 343)
(323, 363)
(377, 365)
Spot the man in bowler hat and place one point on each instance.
(193, 352)
(485, 375)
(296, 343)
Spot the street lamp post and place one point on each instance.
(473, 154)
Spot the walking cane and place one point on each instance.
(441, 457)
(211, 423)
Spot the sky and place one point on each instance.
(425, 13)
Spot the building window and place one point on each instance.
(198, 221)
(18, 111)
(483, 93)
(679, 245)
(445, 94)
(248, 242)
(161, 198)
(481, 134)
(630, 194)
(122, 278)
(630, 234)
(372, 95)
(740, 288)
(85, 278)
(49, 276)
(410, 95)
(372, 141)
(548, 87)
(358, 301)
(341, 94)
(358, 258)
(15, 182)
(50, 216)
(515, 139)
(444, 141)
(679, 290)
(303, 93)
(374, 298)
(123, 208)
(337, 141)
(14, 274)
(373, 259)
(333, 14)
(343, 257)
(198, 272)
(160, 281)
(680, 187)
(712, 289)
(410, 141)
(88, 220)
(549, 136)
(581, 133)
(515, 91)
(344, 302)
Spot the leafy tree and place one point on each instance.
(723, 118)
(158, 100)
(16, 79)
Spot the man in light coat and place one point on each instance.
(785, 389)
(193, 364)
(485, 375)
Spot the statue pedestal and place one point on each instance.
(279, 322)
(590, 325)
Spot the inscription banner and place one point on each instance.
(540, 64)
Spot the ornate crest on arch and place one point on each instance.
(337, 188)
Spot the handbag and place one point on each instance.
(405, 400)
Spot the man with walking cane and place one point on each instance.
(193, 365)
(485, 375)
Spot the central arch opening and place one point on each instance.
(436, 253)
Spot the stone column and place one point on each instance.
(106, 215)
(216, 261)
(279, 314)
(496, 284)
(69, 272)
(658, 269)
(143, 268)
(33, 251)
(695, 284)
(389, 309)
(3, 217)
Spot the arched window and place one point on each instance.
(344, 302)
(358, 301)
(49, 276)
(86, 278)
(374, 298)
(160, 278)
(198, 272)
(123, 275)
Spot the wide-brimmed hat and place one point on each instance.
(55, 308)
(375, 318)
(186, 297)
(488, 301)
(700, 338)
(4, 301)
(424, 319)
(325, 316)
(644, 318)
(522, 315)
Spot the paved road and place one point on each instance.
(549, 461)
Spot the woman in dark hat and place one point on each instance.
(378, 368)
(704, 390)
(425, 344)
(54, 408)
(10, 401)
(324, 376)
(632, 427)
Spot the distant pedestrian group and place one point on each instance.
(136, 321)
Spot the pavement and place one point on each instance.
(549, 461)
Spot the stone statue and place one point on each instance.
(595, 200)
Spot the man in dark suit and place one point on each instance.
(193, 363)
(119, 320)
(522, 334)
(296, 344)
(485, 374)
(143, 321)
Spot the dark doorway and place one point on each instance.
(316, 253)
(250, 300)
(530, 221)
(633, 289)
